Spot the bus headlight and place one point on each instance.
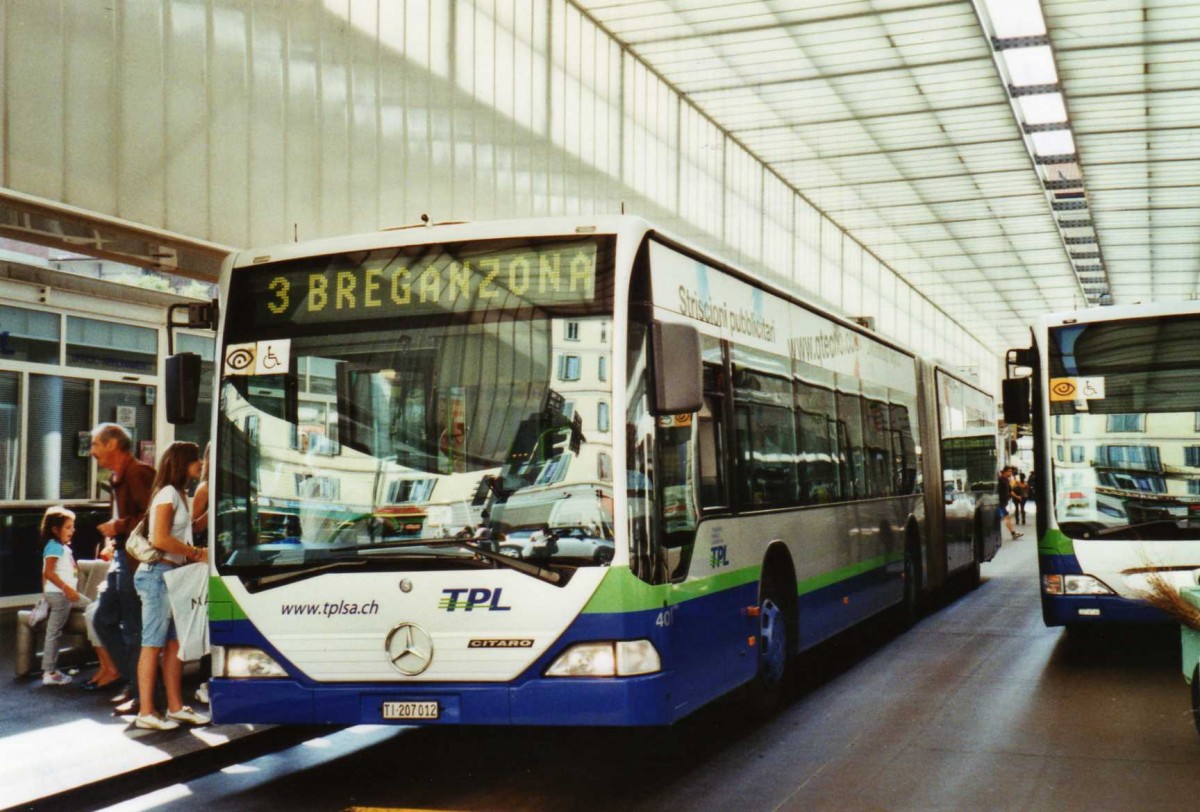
(637, 657)
(622, 658)
(240, 662)
(1074, 585)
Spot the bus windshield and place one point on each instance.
(1125, 428)
(378, 409)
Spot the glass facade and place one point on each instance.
(64, 382)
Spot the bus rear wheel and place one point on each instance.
(910, 608)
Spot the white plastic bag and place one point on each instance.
(40, 611)
(187, 589)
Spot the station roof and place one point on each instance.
(1007, 158)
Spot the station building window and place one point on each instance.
(132, 406)
(95, 344)
(58, 462)
(10, 433)
(31, 336)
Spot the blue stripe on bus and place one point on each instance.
(708, 647)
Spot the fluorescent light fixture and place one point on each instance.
(1047, 108)
(1057, 142)
(1030, 66)
(1016, 18)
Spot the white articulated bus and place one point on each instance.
(561, 471)
(1116, 418)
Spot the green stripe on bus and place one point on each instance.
(221, 605)
(845, 573)
(1056, 542)
(622, 591)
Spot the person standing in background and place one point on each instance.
(118, 619)
(1020, 492)
(1004, 489)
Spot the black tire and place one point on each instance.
(910, 607)
(974, 575)
(775, 645)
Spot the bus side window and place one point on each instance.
(817, 457)
(850, 419)
(904, 450)
(877, 451)
(711, 441)
(766, 440)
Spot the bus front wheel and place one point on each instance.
(774, 644)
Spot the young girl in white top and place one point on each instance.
(60, 581)
(170, 530)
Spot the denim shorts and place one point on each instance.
(157, 625)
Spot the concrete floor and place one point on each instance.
(979, 707)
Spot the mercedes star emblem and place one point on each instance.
(409, 649)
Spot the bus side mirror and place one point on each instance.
(182, 381)
(678, 370)
(1015, 392)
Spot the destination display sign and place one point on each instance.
(420, 280)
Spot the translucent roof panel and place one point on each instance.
(893, 118)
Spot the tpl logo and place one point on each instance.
(476, 598)
(718, 556)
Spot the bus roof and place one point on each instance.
(581, 225)
(1119, 313)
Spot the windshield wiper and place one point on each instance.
(471, 543)
(1109, 531)
(298, 572)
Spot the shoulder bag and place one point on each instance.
(139, 547)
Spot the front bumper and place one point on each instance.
(620, 701)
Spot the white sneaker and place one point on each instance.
(202, 693)
(186, 714)
(55, 678)
(154, 722)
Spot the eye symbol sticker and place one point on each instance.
(1064, 389)
(239, 358)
